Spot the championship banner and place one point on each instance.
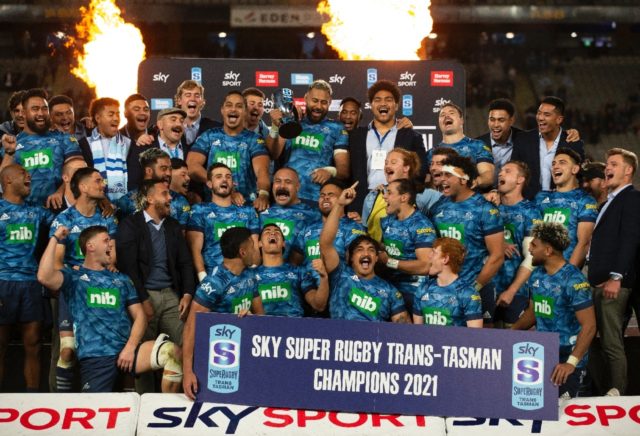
(69, 414)
(425, 85)
(174, 415)
(355, 366)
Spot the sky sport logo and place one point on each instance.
(224, 358)
(528, 376)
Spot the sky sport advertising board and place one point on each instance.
(355, 366)
(424, 85)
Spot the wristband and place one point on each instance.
(58, 240)
(573, 360)
(263, 193)
(393, 263)
(273, 132)
(201, 275)
(477, 286)
(331, 170)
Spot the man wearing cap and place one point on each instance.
(593, 181)
(466, 216)
(569, 205)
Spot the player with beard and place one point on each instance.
(87, 187)
(20, 293)
(63, 118)
(446, 300)
(288, 212)
(155, 164)
(254, 99)
(306, 245)
(407, 237)
(209, 221)
(179, 188)
(519, 216)
(322, 144)
(190, 98)
(138, 115)
(560, 302)
(451, 124)
(466, 216)
(41, 152)
(569, 205)
(109, 321)
(241, 150)
(17, 122)
(283, 286)
(356, 292)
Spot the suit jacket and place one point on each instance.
(616, 239)
(134, 254)
(486, 138)
(526, 148)
(205, 124)
(405, 138)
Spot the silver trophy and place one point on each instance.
(290, 126)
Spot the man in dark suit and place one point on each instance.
(612, 261)
(369, 146)
(152, 250)
(537, 148)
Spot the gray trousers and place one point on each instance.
(610, 319)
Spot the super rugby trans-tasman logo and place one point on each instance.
(224, 358)
(527, 392)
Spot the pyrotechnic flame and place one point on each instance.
(111, 53)
(376, 29)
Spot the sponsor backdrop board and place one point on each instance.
(69, 414)
(425, 85)
(355, 366)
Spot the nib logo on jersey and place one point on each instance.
(20, 233)
(364, 302)
(543, 306)
(527, 380)
(224, 358)
(406, 79)
(309, 141)
(558, 215)
(103, 298)
(439, 104)
(275, 292)
(436, 316)
(336, 79)
(455, 231)
(37, 159)
(231, 78)
(286, 226)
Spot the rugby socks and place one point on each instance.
(64, 376)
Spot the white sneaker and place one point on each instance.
(613, 392)
(155, 351)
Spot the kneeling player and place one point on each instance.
(446, 299)
(101, 303)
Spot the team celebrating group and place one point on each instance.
(120, 236)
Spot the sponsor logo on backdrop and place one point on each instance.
(267, 78)
(372, 76)
(301, 78)
(335, 105)
(160, 77)
(196, 74)
(336, 79)
(300, 102)
(407, 105)
(442, 78)
(528, 372)
(439, 103)
(224, 358)
(407, 79)
(161, 103)
(231, 78)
